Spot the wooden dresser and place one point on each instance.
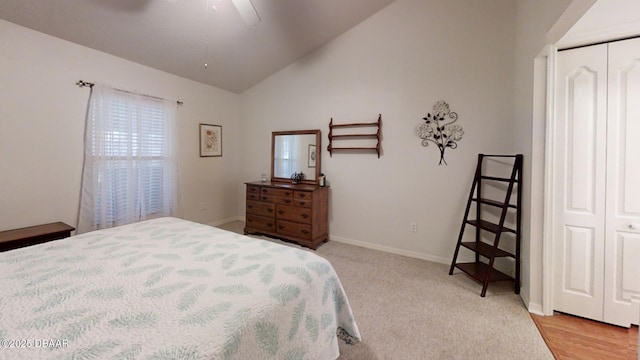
(297, 213)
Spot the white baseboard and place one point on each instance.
(389, 249)
(534, 308)
(227, 220)
(364, 244)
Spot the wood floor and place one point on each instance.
(572, 337)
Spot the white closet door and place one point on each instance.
(622, 245)
(579, 183)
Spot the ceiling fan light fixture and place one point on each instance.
(247, 12)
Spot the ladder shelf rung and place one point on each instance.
(479, 270)
(489, 226)
(499, 156)
(485, 249)
(495, 178)
(494, 203)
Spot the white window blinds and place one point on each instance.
(129, 170)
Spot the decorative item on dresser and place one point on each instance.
(297, 213)
(32, 235)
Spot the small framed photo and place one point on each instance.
(210, 140)
(312, 156)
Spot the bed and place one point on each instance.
(170, 289)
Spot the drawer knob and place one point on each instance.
(280, 227)
(302, 195)
(250, 206)
(287, 193)
(304, 216)
(269, 210)
(264, 190)
(302, 203)
(270, 224)
(306, 232)
(287, 201)
(280, 212)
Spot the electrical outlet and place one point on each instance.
(413, 227)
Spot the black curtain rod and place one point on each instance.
(83, 83)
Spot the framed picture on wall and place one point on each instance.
(210, 140)
(312, 156)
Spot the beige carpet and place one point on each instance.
(412, 309)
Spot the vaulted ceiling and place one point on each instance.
(181, 36)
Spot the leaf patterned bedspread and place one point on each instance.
(169, 289)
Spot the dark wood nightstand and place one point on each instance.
(32, 235)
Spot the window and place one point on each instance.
(129, 163)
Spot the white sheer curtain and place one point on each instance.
(129, 171)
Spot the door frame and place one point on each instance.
(549, 210)
(542, 152)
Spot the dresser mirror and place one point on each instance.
(294, 152)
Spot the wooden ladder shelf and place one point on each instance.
(484, 271)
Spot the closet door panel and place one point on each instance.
(579, 170)
(622, 246)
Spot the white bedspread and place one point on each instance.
(169, 289)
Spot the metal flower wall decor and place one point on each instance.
(438, 128)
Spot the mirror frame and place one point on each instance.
(315, 132)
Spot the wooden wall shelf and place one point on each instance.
(355, 136)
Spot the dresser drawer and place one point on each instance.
(261, 223)
(253, 189)
(302, 195)
(253, 196)
(303, 202)
(261, 208)
(284, 200)
(277, 192)
(266, 198)
(301, 231)
(294, 213)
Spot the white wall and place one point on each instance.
(397, 63)
(42, 123)
(534, 19)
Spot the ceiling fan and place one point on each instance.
(244, 7)
(247, 12)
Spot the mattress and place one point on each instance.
(170, 289)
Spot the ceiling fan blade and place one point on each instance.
(247, 12)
